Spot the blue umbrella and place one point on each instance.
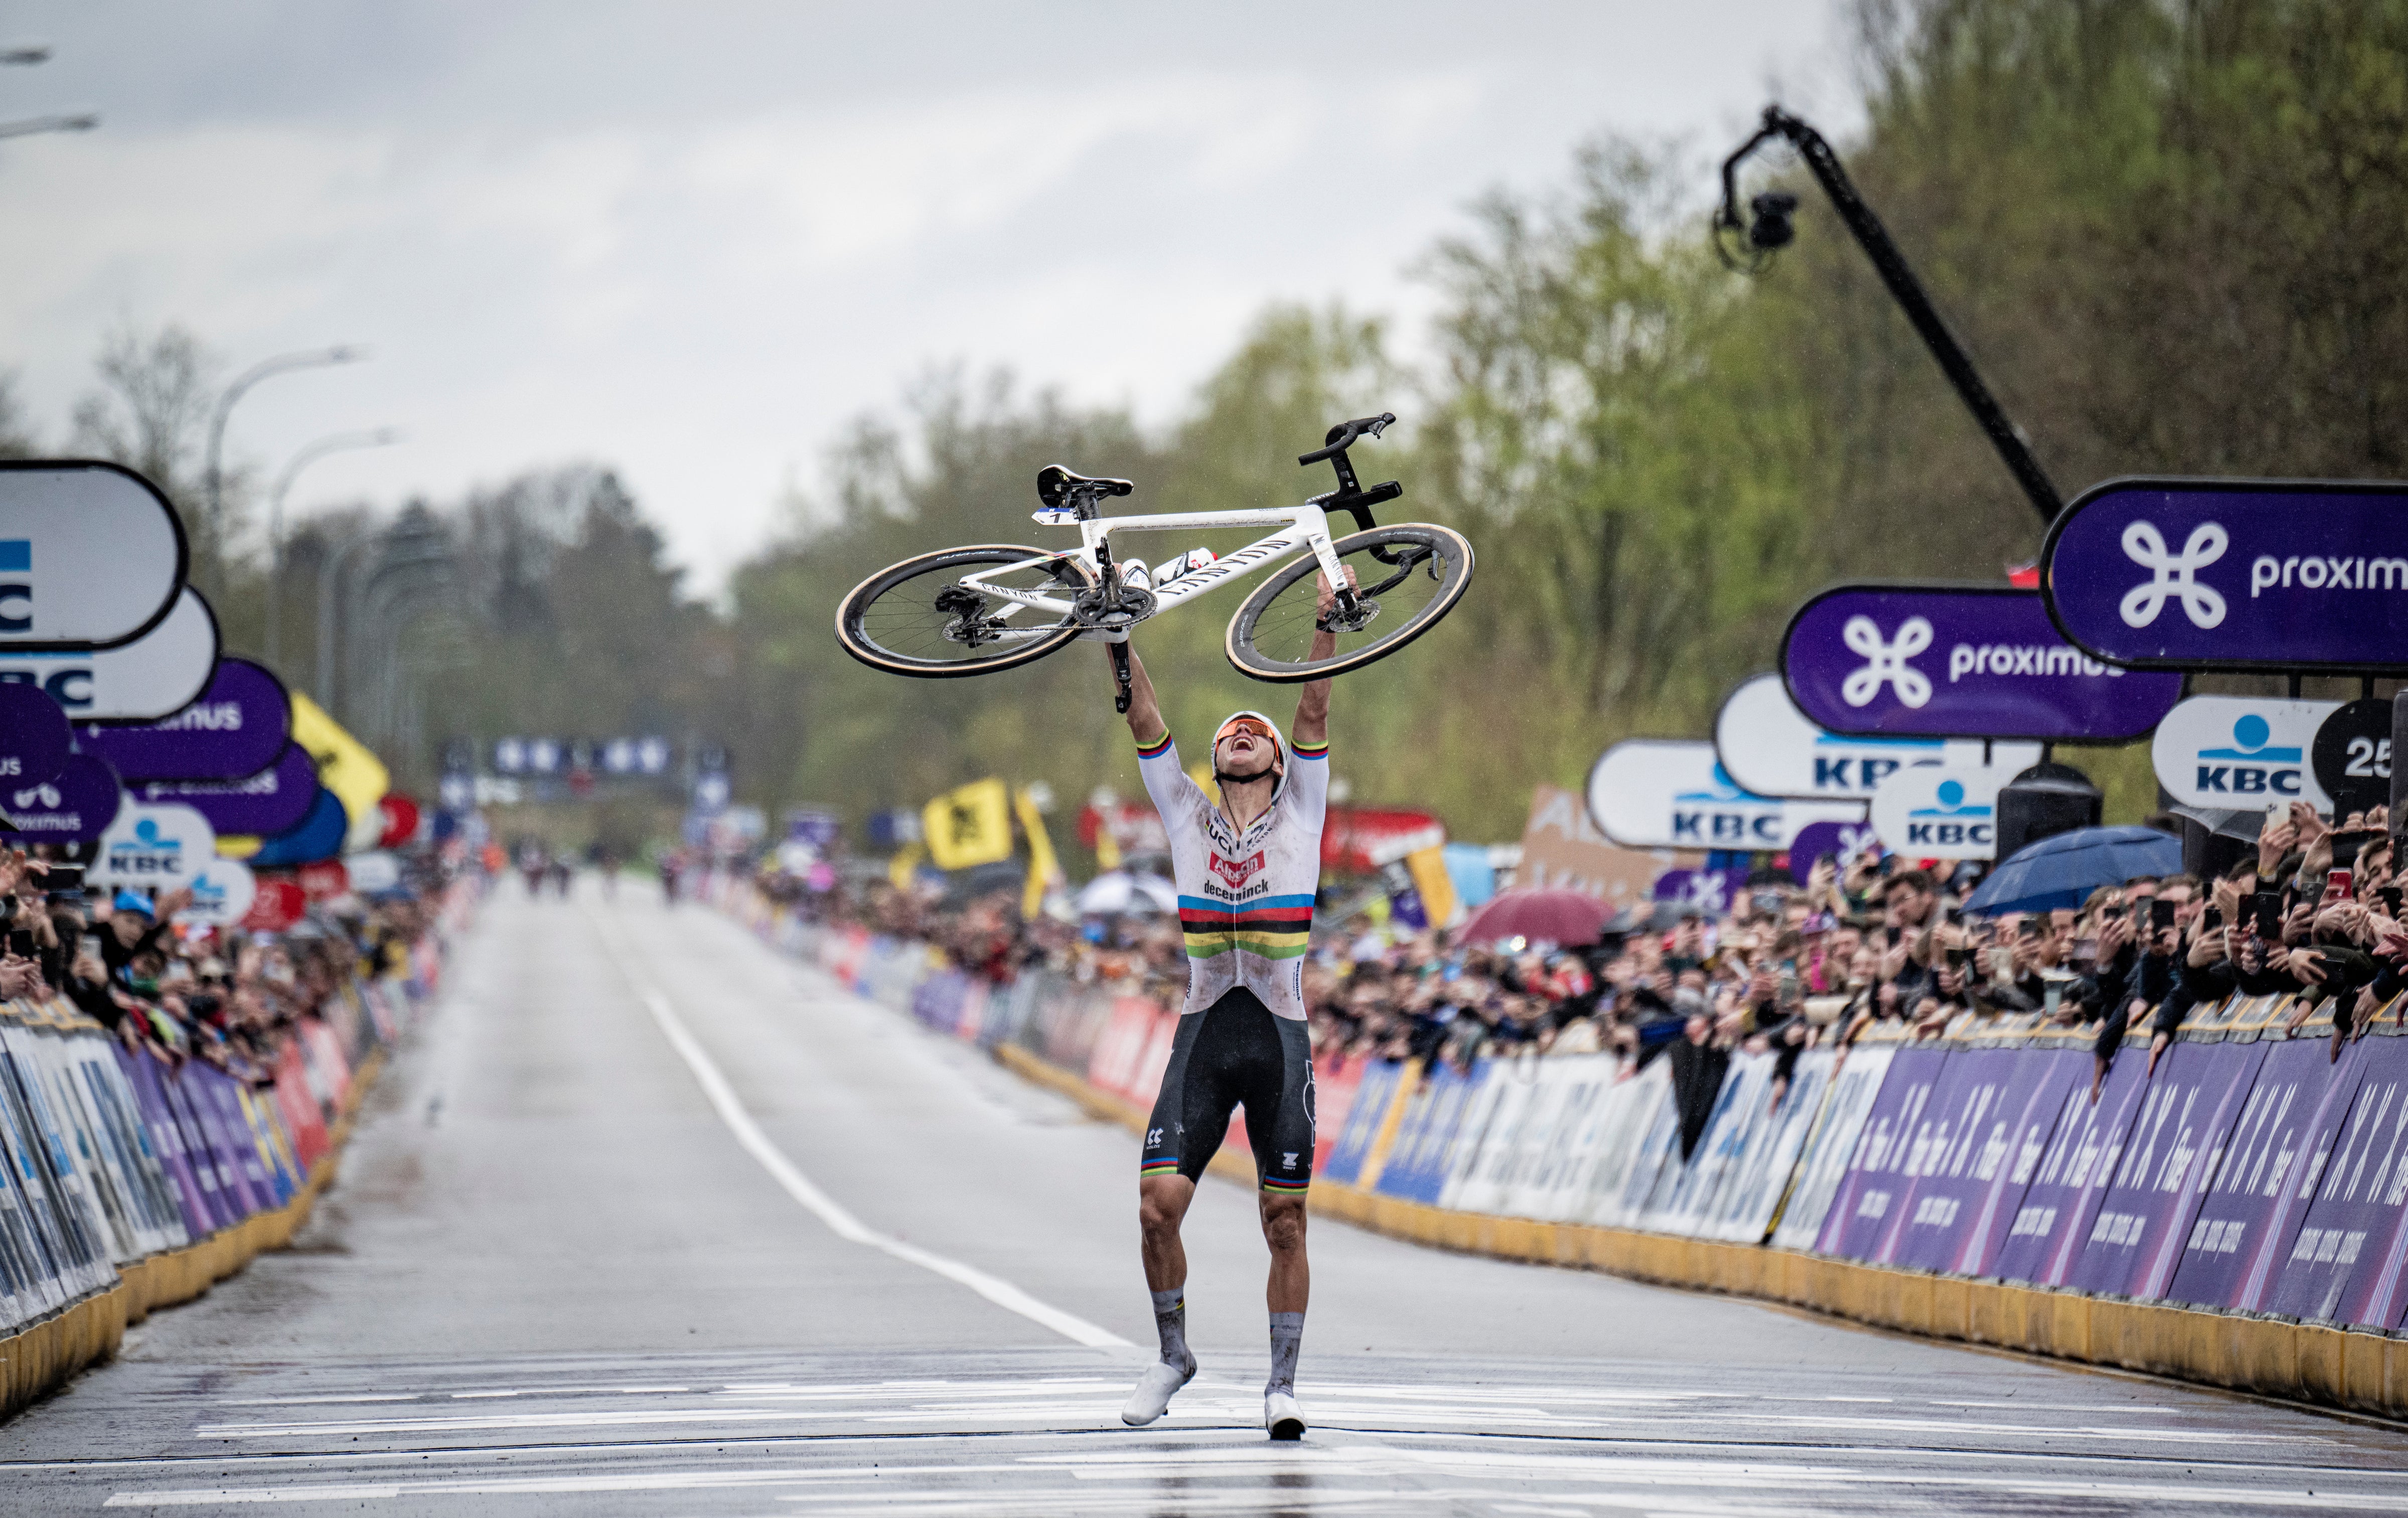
(2063, 870)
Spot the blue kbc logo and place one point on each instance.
(2251, 766)
(16, 595)
(1728, 816)
(148, 854)
(1950, 825)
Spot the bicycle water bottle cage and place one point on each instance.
(1070, 497)
(1350, 495)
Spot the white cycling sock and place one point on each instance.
(1287, 1337)
(1170, 1325)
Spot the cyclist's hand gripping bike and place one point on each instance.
(974, 610)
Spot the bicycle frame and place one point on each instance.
(1301, 527)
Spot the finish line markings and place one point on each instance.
(840, 1221)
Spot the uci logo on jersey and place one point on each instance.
(2252, 765)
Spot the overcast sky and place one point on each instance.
(692, 240)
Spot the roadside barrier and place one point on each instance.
(2237, 1215)
(131, 1183)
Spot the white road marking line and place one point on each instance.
(1250, 1464)
(839, 1221)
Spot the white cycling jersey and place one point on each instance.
(1245, 895)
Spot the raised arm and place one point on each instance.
(1312, 727)
(1145, 713)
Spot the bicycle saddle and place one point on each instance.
(1057, 487)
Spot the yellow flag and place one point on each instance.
(1043, 868)
(346, 766)
(971, 825)
(1437, 887)
(1205, 782)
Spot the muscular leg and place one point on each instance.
(1291, 1279)
(1161, 1207)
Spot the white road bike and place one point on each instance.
(979, 609)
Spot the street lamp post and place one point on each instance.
(281, 364)
(334, 443)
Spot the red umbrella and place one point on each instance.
(1556, 917)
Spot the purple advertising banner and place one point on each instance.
(142, 1073)
(2345, 1264)
(1941, 1148)
(2003, 1102)
(34, 738)
(75, 806)
(2144, 1219)
(240, 726)
(1711, 891)
(1957, 660)
(1860, 1219)
(216, 1198)
(2053, 1220)
(2252, 1208)
(213, 1094)
(2233, 574)
(275, 800)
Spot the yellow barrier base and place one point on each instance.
(2303, 1361)
(38, 1360)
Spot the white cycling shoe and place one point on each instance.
(1155, 1390)
(1283, 1417)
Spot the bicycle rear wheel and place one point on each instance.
(917, 618)
(1410, 577)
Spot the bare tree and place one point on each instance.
(16, 436)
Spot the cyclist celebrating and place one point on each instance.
(1246, 870)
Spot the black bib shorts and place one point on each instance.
(1235, 1054)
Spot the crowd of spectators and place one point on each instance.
(224, 996)
(2313, 910)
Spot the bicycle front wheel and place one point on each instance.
(1408, 578)
(918, 618)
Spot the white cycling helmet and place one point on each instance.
(1278, 748)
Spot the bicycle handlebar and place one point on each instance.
(1346, 434)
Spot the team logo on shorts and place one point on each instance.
(1236, 872)
(1287, 1162)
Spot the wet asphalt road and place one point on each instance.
(649, 1220)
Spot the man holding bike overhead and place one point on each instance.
(1246, 870)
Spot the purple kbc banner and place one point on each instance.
(2271, 1163)
(2233, 574)
(2137, 1238)
(2054, 1220)
(240, 726)
(1957, 660)
(275, 800)
(2008, 1101)
(2346, 1263)
(1860, 1219)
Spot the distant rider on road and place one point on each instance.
(1246, 870)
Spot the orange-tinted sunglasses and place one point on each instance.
(1244, 724)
